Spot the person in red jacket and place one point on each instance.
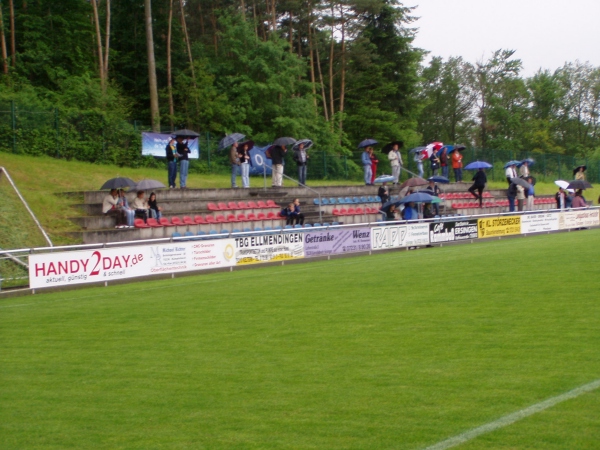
(457, 165)
(374, 162)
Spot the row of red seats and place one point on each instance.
(459, 195)
(208, 219)
(231, 206)
(353, 211)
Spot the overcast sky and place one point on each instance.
(544, 33)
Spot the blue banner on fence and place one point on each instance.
(154, 144)
(257, 155)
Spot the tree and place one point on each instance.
(154, 111)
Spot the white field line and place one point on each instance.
(514, 417)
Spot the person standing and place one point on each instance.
(444, 162)
(384, 193)
(524, 169)
(301, 158)
(395, 158)
(479, 181)
(374, 162)
(561, 199)
(579, 173)
(277, 154)
(520, 197)
(171, 151)
(244, 157)
(510, 173)
(433, 189)
(578, 200)
(183, 153)
(235, 163)
(434, 162)
(366, 162)
(530, 195)
(419, 160)
(457, 165)
(511, 195)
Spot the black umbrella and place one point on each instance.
(520, 182)
(284, 141)
(389, 147)
(576, 169)
(417, 150)
(148, 185)
(367, 143)
(306, 142)
(579, 184)
(438, 179)
(185, 133)
(230, 139)
(118, 183)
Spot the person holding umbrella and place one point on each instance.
(457, 165)
(111, 207)
(301, 158)
(434, 190)
(366, 162)
(444, 161)
(561, 198)
(124, 204)
(524, 169)
(383, 193)
(277, 154)
(234, 159)
(578, 200)
(530, 195)
(171, 152)
(479, 181)
(183, 152)
(245, 161)
(511, 171)
(374, 162)
(395, 158)
(579, 173)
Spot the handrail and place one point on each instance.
(2, 169)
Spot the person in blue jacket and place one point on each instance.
(410, 213)
(366, 162)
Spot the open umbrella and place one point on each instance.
(520, 182)
(417, 150)
(478, 165)
(413, 182)
(230, 139)
(389, 147)
(147, 185)
(511, 163)
(383, 179)
(185, 133)
(307, 144)
(367, 143)
(282, 141)
(576, 169)
(438, 179)
(118, 183)
(529, 161)
(417, 197)
(562, 184)
(579, 184)
(457, 147)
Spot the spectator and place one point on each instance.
(524, 170)
(427, 211)
(457, 165)
(578, 200)
(277, 154)
(419, 160)
(366, 162)
(301, 158)
(374, 162)
(433, 189)
(183, 152)
(171, 151)
(434, 161)
(511, 195)
(245, 162)
(384, 193)
(298, 216)
(444, 162)
(579, 173)
(479, 181)
(410, 213)
(395, 158)
(155, 210)
(530, 195)
(561, 199)
(140, 206)
(391, 213)
(520, 197)
(510, 173)
(235, 164)
(110, 207)
(124, 204)
(289, 214)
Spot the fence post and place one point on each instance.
(346, 166)
(14, 124)
(493, 155)
(208, 149)
(559, 177)
(57, 132)
(324, 164)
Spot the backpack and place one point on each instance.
(268, 152)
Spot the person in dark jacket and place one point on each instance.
(384, 193)
(479, 181)
(171, 152)
(298, 216)
(433, 189)
(277, 155)
(511, 195)
(183, 152)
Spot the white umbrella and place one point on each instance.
(563, 184)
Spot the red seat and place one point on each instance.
(199, 219)
(261, 216)
(272, 215)
(176, 221)
(343, 212)
(351, 211)
(231, 218)
(153, 223)
(335, 212)
(359, 211)
(139, 223)
(252, 205)
(166, 222)
(220, 218)
(210, 219)
(212, 207)
(242, 205)
(241, 217)
(262, 204)
(272, 204)
(223, 207)
(188, 220)
(232, 205)
(252, 216)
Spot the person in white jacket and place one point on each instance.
(396, 160)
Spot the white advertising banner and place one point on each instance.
(268, 247)
(539, 223)
(579, 219)
(397, 236)
(91, 266)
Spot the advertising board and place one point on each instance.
(154, 144)
(397, 236)
(539, 222)
(268, 247)
(331, 242)
(582, 218)
(452, 231)
(498, 226)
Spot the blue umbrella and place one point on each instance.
(530, 161)
(458, 147)
(478, 165)
(449, 148)
(438, 179)
(230, 139)
(367, 143)
(511, 163)
(418, 197)
(417, 150)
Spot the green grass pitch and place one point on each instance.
(397, 350)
